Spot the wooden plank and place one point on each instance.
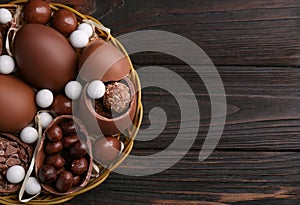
(224, 178)
(231, 32)
(263, 108)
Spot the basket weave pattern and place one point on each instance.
(47, 198)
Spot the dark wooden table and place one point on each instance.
(255, 46)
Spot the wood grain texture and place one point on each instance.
(225, 178)
(256, 161)
(256, 45)
(231, 32)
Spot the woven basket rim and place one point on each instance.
(54, 199)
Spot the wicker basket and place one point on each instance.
(47, 198)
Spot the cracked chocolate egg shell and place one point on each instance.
(102, 124)
(44, 57)
(12, 152)
(17, 104)
(42, 158)
(101, 60)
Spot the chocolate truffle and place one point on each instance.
(116, 97)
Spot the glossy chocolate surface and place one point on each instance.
(44, 57)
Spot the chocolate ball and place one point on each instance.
(53, 147)
(78, 149)
(47, 174)
(106, 150)
(79, 166)
(116, 97)
(69, 140)
(64, 21)
(64, 181)
(68, 127)
(56, 160)
(62, 105)
(76, 180)
(54, 133)
(37, 11)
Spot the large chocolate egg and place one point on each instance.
(17, 104)
(101, 60)
(44, 57)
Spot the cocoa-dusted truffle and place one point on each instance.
(116, 97)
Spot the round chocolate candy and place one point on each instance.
(78, 149)
(116, 97)
(37, 11)
(79, 166)
(64, 181)
(56, 160)
(47, 174)
(69, 140)
(53, 147)
(68, 127)
(64, 21)
(62, 105)
(54, 133)
(76, 180)
(106, 150)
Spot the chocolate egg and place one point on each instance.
(64, 160)
(44, 57)
(17, 104)
(106, 150)
(103, 61)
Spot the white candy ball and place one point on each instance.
(7, 64)
(87, 28)
(5, 16)
(96, 89)
(29, 135)
(44, 98)
(73, 90)
(33, 186)
(15, 174)
(79, 39)
(45, 119)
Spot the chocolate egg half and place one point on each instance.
(44, 57)
(17, 104)
(102, 61)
